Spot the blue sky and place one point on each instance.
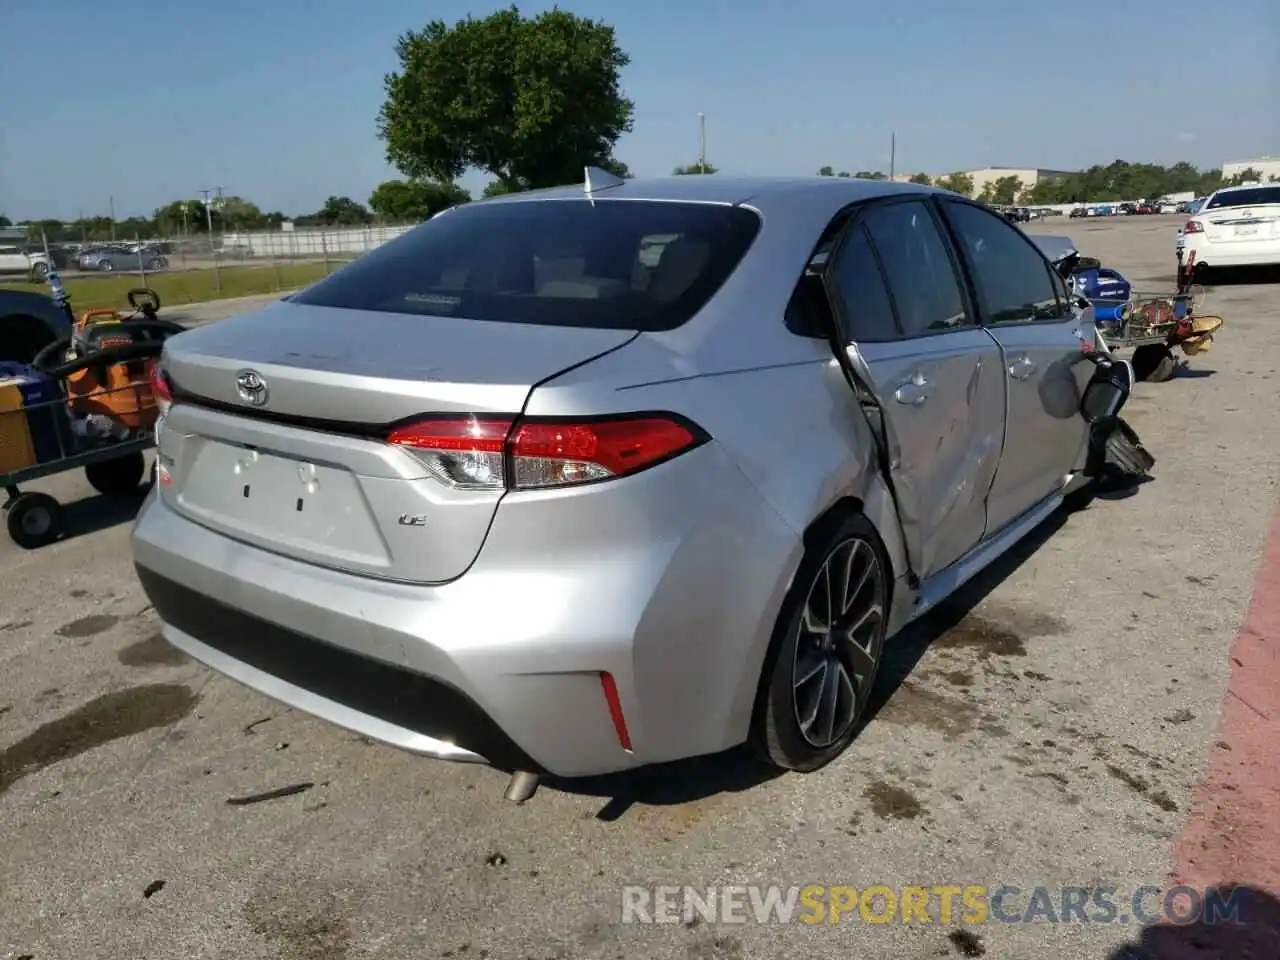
(276, 100)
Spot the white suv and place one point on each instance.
(1236, 227)
(33, 266)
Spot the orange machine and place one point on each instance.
(116, 388)
(106, 365)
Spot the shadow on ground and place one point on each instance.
(1253, 933)
(92, 514)
(905, 651)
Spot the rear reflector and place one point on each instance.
(610, 687)
(477, 453)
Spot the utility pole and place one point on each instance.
(893, 152)
(111, 203)
(702, 142)
(208, 213)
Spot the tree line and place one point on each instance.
(1119, 180)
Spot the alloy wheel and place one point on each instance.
(835, 653)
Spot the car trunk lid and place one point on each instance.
(1244, 223)
(306, 471)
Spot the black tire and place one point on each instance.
(156, 264)
(105, 266)
(848, 665)
(1153, 363)
(34, 520)
(39, 272)
(118, 477)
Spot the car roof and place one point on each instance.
(767, 194)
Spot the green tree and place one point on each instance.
(826, 172)
(957, 182)
(496, 188)
(238, 213)
(532, 101)
(340, 212)
(5, 221)
(1247, 175)
(693, 168)
(1006, 190)
(921, 178)
(415, 200)
(617, 168)
(184, 215)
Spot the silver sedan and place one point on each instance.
(578, 480)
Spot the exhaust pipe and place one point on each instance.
(522, 786)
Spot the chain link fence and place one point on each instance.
(284, 250)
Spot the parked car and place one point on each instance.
(16, 260)
(1077, 212)
(1237, 227)
(1167, 206)
(107, 259)
(514, 494)
(1145, 209)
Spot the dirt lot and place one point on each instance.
(1051, 735)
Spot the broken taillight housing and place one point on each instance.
(161, 388)
(494, 453)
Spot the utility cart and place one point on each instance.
(85, 402)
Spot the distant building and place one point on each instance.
(1267, 166)
(1028, 176)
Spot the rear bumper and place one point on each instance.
(1232, 253)
(504, 664)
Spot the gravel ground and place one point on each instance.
(1047, 732)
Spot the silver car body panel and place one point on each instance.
(669, 580)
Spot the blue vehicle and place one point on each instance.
(1106, 289)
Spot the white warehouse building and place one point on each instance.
(1269, 167)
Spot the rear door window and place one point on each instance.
(860, 287)
(918, 266)
(1014, 281)
(611, 264)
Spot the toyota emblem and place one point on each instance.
(251, 387)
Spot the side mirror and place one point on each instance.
(1107, 391)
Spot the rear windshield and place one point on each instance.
(615, 264)
(1251, 197)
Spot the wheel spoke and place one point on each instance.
(864, 576)
(827, 705)
(857, 658)
(848, 696)
(807, 672)
(870, 616)
(829, 617)
(811, 712)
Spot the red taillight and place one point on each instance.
(475, 453)
(1193, 226)
(610, 687)
(161, 389)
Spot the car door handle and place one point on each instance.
(1022, 368)
(914, 392)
